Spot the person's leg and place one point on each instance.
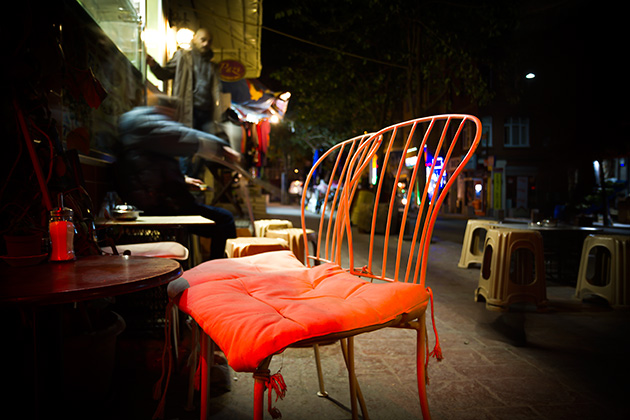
(222, 229)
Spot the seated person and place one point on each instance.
(148, 173)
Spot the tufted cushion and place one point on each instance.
(267, 302)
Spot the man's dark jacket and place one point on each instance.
(148, 174)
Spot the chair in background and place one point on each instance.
(255, 307)
(243, 247)
(262, 226)
(474, 239)
(605, 269)
(295, 238)
(283, 229)
(165, 249)
(255, 241)
(513, 268)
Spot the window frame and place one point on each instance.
(521, 124)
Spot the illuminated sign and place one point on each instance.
(374, 170)
(410, 161)
(231, 70)
(439, 164)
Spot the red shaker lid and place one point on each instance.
(62, 212)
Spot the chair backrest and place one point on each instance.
(387, 185)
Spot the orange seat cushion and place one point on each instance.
(267, 302)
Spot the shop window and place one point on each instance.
(120, 20)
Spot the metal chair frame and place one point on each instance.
(348, 175)
(336, 243)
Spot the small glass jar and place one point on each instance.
(62, 232)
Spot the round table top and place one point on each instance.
(85, 278)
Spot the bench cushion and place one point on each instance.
(173, 250)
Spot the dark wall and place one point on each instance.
(65, 84)
(67, 67)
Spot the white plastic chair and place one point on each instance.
(605, 269)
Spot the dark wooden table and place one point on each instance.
(86, 278)
(35, 302)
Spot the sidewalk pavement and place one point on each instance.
(567, 362)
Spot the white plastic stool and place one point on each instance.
(242, 247)
(605, 269)
(472, 252)
(513, 268)
(263, 225)
(295, 239)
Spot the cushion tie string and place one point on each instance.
(275, 383)
(437, 350)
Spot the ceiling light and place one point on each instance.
(183, 37)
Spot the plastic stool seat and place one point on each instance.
(243, 247)
(472, 252)
(513, 269)
(263, 225)
(605, 269)
(295, 239)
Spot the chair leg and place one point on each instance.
(259, 394)
(261, 379)
(352, 379)
(195, 258)
(175, 330)
(320, 376)
(347, 349)
(421, 340)
(192, 365)
(207, 361)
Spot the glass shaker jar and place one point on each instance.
(62, 231)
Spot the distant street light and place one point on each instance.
(530, 76)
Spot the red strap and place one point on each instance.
(276, 383)
(437, 350)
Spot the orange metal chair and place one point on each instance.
(257, 306)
